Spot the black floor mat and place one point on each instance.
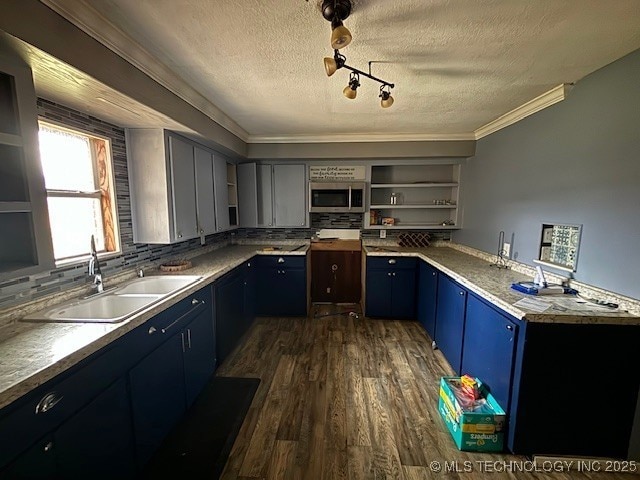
(198, 447)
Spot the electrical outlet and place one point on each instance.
(506, 249)
(383, 233)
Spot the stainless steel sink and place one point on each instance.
(117, 305)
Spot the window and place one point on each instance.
(78, 178)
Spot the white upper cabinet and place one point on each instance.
(178, 188)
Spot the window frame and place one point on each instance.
(56, 193)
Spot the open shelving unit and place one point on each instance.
(232, 188)
(427, 196)
(25, 246)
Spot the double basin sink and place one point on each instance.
(116, 305)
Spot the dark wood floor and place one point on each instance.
(351, 398)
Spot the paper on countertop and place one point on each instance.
(534, 304)
(575, 304)
(560, 303)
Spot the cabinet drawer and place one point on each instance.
(155, 331)
(391, 262)
(278, 261)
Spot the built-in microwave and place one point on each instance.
(336, 196)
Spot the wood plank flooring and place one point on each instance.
(349, 398)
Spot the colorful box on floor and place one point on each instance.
(471, 431)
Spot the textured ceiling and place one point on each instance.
(457, 64)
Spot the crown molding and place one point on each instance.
(361, 138)
(94, 24)
(553, 96)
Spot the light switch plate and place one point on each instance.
(383, 233)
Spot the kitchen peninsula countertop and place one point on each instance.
(40, 351)
(494, 285)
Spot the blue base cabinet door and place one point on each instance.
(427, 298)
(229, 300)
(378, 296)
(450, 320)
(403, 293)
(157, 396)
(489, 348)
(199, 354)
(97, 442)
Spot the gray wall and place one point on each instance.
(575, 162)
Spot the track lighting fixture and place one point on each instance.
(385, 95)
(351, 90)
(331, 65)
(336, 11)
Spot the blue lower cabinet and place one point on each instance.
(281, 288)
(489, 348)
(157, 396)
(96, 442)
(427, 297)
(199, 347)
(390, 287)
(450, 316)
(378, 295)
(230, 315)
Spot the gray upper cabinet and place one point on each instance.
(272, 195)
(289, 195)
(184, 193)
(265, 194)
(173, 187)
(25, 245)
(248, 194)
(206, 212)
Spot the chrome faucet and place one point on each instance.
(94, 267)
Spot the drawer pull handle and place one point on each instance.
(47, 402)
(48, 447)
(166, 329)
(152, 330)
(392, 261)
(195, 301)
(280, 260)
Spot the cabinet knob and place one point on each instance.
(48, 447)
(461, 292)
(195, 301)
(152, 330)
(394, 274)
(392, 261)
(433, 274)
(509, 327)
(202, 230)
(389, 273)
(249, 264)
(179, 235)
(280, 260)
